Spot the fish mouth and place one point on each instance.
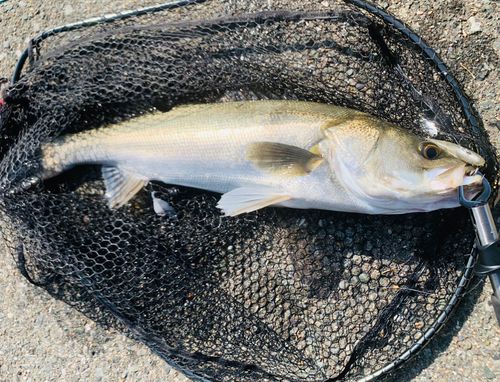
(445, 181)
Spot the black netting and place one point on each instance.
(279, 294)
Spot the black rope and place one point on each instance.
(21, 264)
(430, 106)
(429, 52)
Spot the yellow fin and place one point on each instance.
(315, 150)
(282, 160)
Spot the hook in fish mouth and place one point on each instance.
(447, 180)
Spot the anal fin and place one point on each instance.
(241, 200)
(121, 186)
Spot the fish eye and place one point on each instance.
(429, 150)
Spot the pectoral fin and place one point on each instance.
(121, 186)
(244, 199)
(282, 160)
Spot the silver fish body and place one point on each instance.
(287, 153)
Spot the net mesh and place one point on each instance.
(274, 295)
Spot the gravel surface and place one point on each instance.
(42, 339)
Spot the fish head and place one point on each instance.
(393, 171)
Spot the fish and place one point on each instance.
(295, 154)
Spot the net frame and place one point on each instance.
(472, 119)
